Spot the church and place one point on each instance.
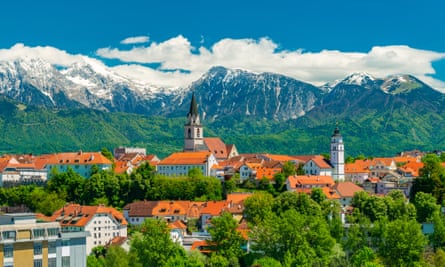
(199, 151)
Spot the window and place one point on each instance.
(38, 233)
(37, 249)
(38, 263)
(8, 251)
(9, 235)
(66, 261)
(53, 231)
(52, 262)
(52, 247)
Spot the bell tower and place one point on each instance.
(338, 156)
(193, 132)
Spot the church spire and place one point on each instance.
(193, 130)
(193, 106)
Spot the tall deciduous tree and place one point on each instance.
(403, 243)
(153, 245)
(227, 240)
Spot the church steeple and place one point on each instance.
(338, 155)
(193, 106)
(193, 132)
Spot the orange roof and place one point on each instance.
(238, 197)
(347, 189)
(217, 147)
(118, 240)
(330, 193)
(304, 180)
(203, 246)
(186, 158)
(281, 158)
(177, 225)
(321, 162)
(359, 166)
(267, 172)
(77, 215)
(412, 167)
(120, 166)
(214, 208)
(383, 161)
(86, 158)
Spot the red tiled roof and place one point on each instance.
(217, 147)
(347, 189)
(214, 208)
(321, 162)
(359, 166)
(177, 225)
(316, 180)
(86, 158)
(77, 215)
(186, 158)
(238, 197)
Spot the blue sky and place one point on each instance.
(315, 41)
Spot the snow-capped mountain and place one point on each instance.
(266, 95)
(88, 83)
(83, 84)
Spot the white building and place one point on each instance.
(318, 165)
(103, 223)
(179, 163)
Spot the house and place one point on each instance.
(318, 165)
(128, 162)
(179, 163)
(118, 152)
(135, 213)
(209, 210)
(28, 242)
(381, 166)
(80, 162)
(357, 172)
(346, 191)
(21, 169)
(103, 223)
(305, 183)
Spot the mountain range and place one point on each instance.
(259, 110)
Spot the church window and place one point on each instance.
(198, 132)
(190, 133)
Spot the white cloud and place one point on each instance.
(260, 55)
(263, 56)
(48, 53)
(135, 40)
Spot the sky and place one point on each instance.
(172, 43)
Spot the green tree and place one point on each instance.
(229, 186)
(298, 201)
(266, 262)
(195, 173)
(106, 153)
(317, 195)
(432, 178)
(116, 256)
(280, 180)
(153, 245)
(403, 243)
(289, 169)
(258, 207)
(225, 237)
(426, 206)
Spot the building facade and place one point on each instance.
(26, 242)
(102, 223)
